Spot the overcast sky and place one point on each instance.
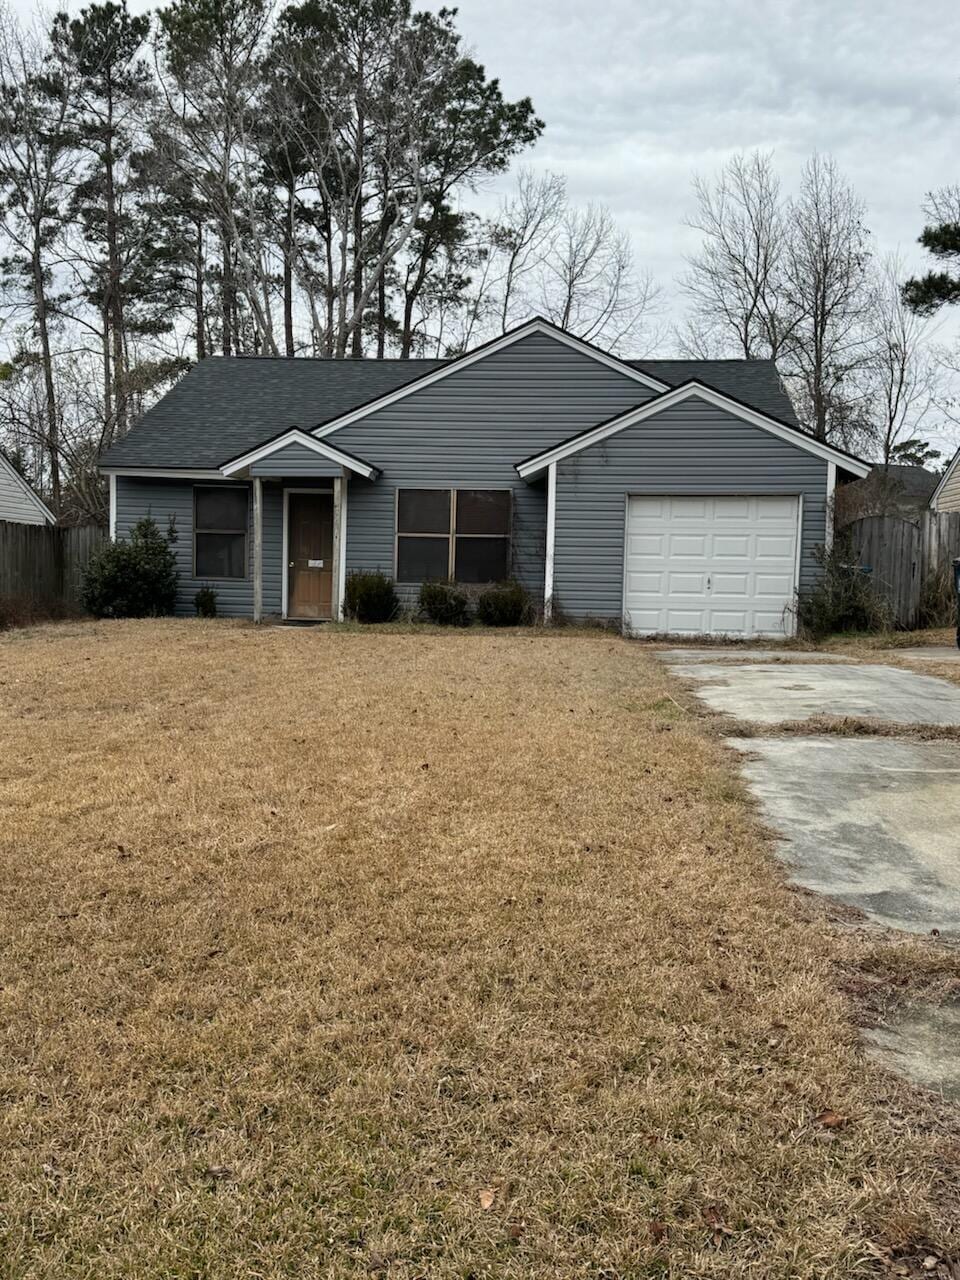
(638, 96)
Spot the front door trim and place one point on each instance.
(285, 563)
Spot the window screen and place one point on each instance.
(220, 533)
(463, 534)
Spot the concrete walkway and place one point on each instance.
(871, 822)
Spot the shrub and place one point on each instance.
(843, 600)
(370, 597)
(445, 604)
(938, 600)
(505, 604)
(205, 603)
(24, 611)
(135, 579)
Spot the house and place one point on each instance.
(946, 496)
(676, 496)
(889, 490)
(18, 502)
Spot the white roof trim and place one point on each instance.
(296, 436)
(689, 390)
(527, 330)
(951, 467)
(21, 483)
(162, 473)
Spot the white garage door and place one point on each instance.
(710, 566)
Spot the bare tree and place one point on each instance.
(825, 286)
(735, 281)
(36, 165)
(589, 284)
(901, 375)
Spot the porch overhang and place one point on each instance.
(296, 441)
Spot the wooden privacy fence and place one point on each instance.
(908, 561)
(44, 563)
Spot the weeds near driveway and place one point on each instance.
(390, 954)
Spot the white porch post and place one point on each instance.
(112, 482)
(336, 609)
(257, 549)
(831, 505)
(551, 539)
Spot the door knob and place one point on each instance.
(292, 562)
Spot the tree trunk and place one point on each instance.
(198, 300)
(114, 300)
(288, 232)
(49, 391)
(226, 301)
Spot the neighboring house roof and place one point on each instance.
(945, 482)
(532, 466)
(18, 502)
(225, 407)
(887, 491)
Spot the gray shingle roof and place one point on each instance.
(226, 405)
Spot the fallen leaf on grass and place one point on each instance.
(487, 1197)
(831, 1120)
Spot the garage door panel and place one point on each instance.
(710, 565)
(770, 510)
(681, 544)
(684, 584)
(647, 544)
(774, 546)
(688, 508)
(730, 584)
(727, 544)
(650, 583)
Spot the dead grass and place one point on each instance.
(339, 954)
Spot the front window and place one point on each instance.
(463, 534)
(220, 533)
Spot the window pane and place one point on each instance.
(421, 558)
(221, 508)
(220, 555)
(483, 510)
(481, 559)
(423, 511)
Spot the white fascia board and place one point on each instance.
(37, 501)
(158, 473)
(689, 390)
(951, 467)
(296, 436)
(488, 349)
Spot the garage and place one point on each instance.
(711, 565)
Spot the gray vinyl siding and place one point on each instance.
(467, 432)
(293, 461)
(15, 501)
(692, 448)
(162, 499)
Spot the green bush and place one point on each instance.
(135, 579)
(445, 604)
(205, 603)
(505, 604)
(370, 597)
(844, 599)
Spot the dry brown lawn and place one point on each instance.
(332, 953)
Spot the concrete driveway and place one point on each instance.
(873, 822)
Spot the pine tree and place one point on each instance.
(941, 238)
(101, 51)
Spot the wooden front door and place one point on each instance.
(310, 555)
